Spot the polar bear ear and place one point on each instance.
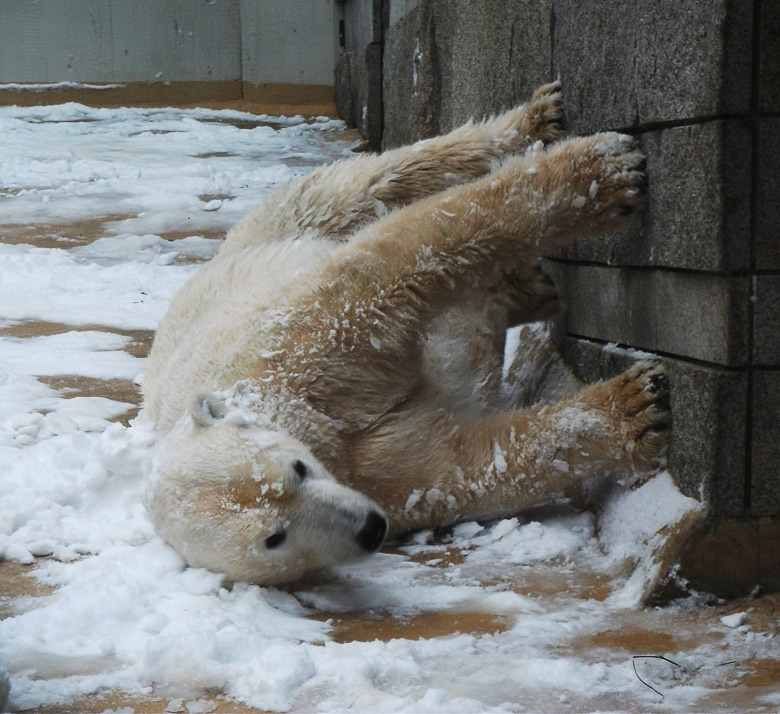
(207, 409)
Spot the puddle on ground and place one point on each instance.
(139, 345)
(654, 631)
(761, 673)
(64, 236)
(206, 197)
(61, 120)
(215, 155)
(174, 235)
(17, 586)
(541, 580)
(80, 233)
(249, 123)
(118, 701)
(120, 390)
(362, 627)
(157, 132)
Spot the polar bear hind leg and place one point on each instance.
(336, 200)
(464, 350)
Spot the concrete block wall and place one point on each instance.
(291, 42)
(174, 50)
(698, 280)
(358, 74)
(113, 41)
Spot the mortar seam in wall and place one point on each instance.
(665, 355)
(754, 180)
(648, 127)
(720, 273)
(241, 54)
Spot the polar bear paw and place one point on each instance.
(545, 112)
(604, 175)
(618, 186)
(641, 397)
(540, 120)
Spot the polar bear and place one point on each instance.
(333, 376)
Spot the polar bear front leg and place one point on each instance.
(494, 466)
(335, 200)
(429, 253)
(619, 427)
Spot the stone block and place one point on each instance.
(607, 304)
(709, 434)
(399, 9)
(731, 556)
(359, 91)
(765, 447)
(399, 82)
(766, 321)
(707, 455)
(767, 191)
(696, 315)
(724, 558)
(448, 61)
(769, 48)
(622, 65)
(769, 552)
(501, 52)
(366, 76)
(416, 73)
(702, 316)
(342, 94)
(698, 212)
(362, 23)
(636, 64)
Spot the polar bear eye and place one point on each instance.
(275, 540)
(301, 469)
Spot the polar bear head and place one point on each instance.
(241, 499)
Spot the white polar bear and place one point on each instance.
(333, 375)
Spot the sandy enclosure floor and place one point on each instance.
(104, 214)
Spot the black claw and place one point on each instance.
(659, 383)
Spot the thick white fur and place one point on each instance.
(352, 329)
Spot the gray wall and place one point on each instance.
(698, 280)
(105, 41)
(289, 42)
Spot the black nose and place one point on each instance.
(371, 536)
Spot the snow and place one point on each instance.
(44, 86)
(736, 619)
(124, 612)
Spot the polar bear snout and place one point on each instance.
(372, 534)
